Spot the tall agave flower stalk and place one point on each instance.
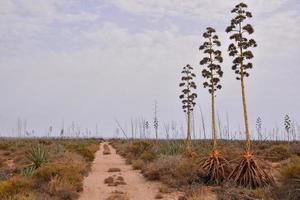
(248, 172)
(188, 96)
(215, 165)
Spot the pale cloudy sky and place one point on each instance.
(91, 61)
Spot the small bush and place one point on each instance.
(175, 171)
(14, 186)
(70, 173)
(171, 147)
(277, 152)
(5, 145)
(138, 164)
(61, 188)
(290, 176)
(86, 149)
(148, 155)
(137, 148)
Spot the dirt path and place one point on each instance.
(127, 184)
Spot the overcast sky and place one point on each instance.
(90, 61)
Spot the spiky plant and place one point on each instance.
(188, 96)
(215, 165)
(248, 172)
(37, 155)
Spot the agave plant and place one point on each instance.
(248, 172)
(215, 165)
(37, 155)
(188, 95)
(28, 171)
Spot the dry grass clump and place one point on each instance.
(216, 167)
(175, 171)
(118, 195)
(277, 152)
(85, 148)
(200, 193)
(135, 150)
(114, 169)
(290, 179)
(62, 188)
(231, 193)
(60, 179)
(248, 173)
(114, 181)
(14, 186)
(106, 149)
(141, 150)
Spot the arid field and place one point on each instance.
(57, 169)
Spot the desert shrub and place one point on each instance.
(290, 179)
(175, 171)
(129, 158)
(86, 149)
(148, 155)
(138, 164)
(137, 148)
(295, 148)
(198, 192)
(171, 147)
(13, 186)
(71, 175)
(23, 196)
(4, 145)
(58, 149)
(61, 188)
(277, 152)
(134, 150)
(231, 193)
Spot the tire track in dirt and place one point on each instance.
(104, 185)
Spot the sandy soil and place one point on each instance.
(136, 187)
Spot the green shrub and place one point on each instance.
(171, 147)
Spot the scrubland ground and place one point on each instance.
(55, 169)
(167, 162)
(44, 169)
